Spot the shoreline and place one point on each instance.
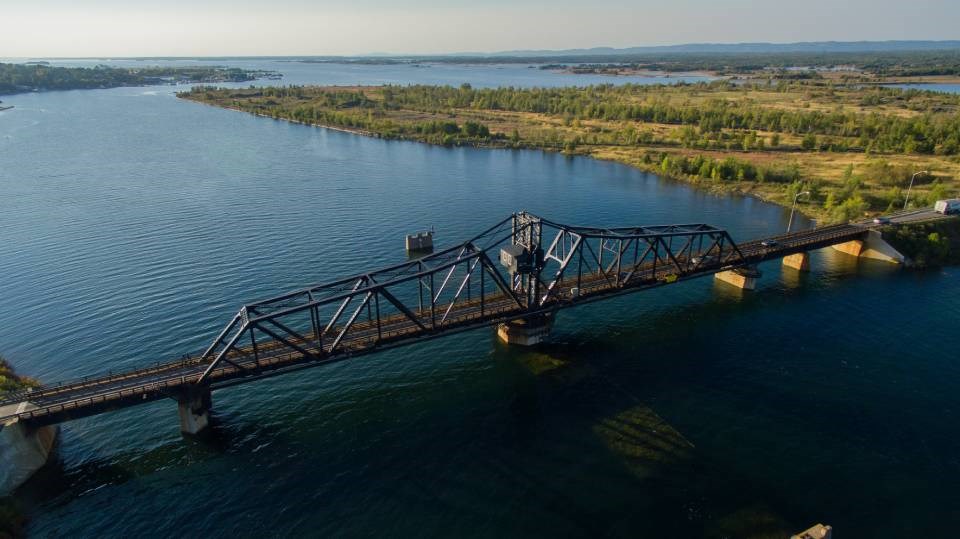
(721, 189)
(671, 76)
(767, 143)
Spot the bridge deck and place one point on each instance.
(91, 396)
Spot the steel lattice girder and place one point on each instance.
(328, 319)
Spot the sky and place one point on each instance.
(83, 28)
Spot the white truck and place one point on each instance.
(948, 206)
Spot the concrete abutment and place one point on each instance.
(877, 248)
(873, 246)
(24, 449)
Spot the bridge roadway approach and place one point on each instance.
(515, 274)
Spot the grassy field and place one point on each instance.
(853, 148)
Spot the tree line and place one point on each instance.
(927, 133)
(707, 123)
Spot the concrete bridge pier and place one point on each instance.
(798, 261)
(194, 406)
(852, 247)
(742, 278)
(24, 449)
(526, 331)
(872, 246)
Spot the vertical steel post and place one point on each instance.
(253, 344)
(619, 259)
(482, 293)
(376, 300)
(433, 306)
(314, 326)
(315, 315)
(580, 267)
(420, 285)
(600, 258)
(656, 256)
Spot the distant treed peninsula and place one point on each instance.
(870, 65)
(37, 76)
(854, 148)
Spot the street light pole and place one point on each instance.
(915, 174)
(794, 208)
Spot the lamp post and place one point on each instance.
(915, 174)
(794, 208)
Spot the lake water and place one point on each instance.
(481, 76)
(133, 224)
(944, 88)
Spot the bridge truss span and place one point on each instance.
(520, 267)
(523, 267)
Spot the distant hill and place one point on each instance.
(728, 48)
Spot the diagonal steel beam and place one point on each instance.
(220, 337)
(563, 268)
(401, 307)
(638, 263)
(460, 290)
(343, 306)
(230, 344)
(284, 340)
(293, 333)
(498, 279)
(672, 258)
(446, 279)
(350, 321)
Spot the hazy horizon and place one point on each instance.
(113, 28)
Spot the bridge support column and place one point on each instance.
(798, 261)
(194, 406)
(873, 247)
(745, 279)
(526, 331)
(852, 247)
(878, 249)
(23, 450)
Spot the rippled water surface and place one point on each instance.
(132, 225)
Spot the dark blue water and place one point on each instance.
(132, 225)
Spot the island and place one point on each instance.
(841, 151)
(40, 76)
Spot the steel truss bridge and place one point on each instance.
(464, 287)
